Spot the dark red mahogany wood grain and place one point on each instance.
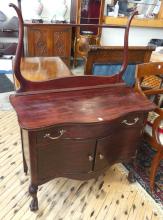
(77, 106)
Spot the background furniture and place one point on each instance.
(107, 60)
(49, 40)
(9, 31)
(157, 56)
(152, 91)
(137, 22)
(86, 12)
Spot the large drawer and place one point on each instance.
(85, 131)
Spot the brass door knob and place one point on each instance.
(101, 156)
(90, 158)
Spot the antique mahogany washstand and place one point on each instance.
(76, 126)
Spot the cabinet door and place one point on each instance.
(118, 147)
(62, 43)
(90, 12)
(65, 157)
(39, 43)
(49, 40)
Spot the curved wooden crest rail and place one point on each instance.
(73, 81)
(71, 127)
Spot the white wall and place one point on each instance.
(28, 8)
(138, 36)
(51, 7)
(6, 9)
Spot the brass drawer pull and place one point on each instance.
(55, 138)
(130, 123)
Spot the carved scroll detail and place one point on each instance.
(40, 43)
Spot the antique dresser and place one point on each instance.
(76, 126)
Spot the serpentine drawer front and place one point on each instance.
(79, 133)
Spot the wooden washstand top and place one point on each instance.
(96, 104)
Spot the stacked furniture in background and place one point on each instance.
(107, 60)
(9, 31)
(86, 12)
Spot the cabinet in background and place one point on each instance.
(156, 22)
(49, 40)
(86, 12)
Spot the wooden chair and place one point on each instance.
(149, 78)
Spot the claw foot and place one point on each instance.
(34, 205)
(131, 177)
(33, 192)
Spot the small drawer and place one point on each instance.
(76, 131)
(86, 131)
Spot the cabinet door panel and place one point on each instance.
(38, 42)
(117, 148)
(62, 42)
(65, 156)
(49, 40)
(90, 14)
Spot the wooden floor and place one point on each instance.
(108, 197)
